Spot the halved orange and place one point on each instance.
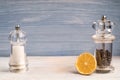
(86, 63)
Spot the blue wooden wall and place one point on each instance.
(57, 27)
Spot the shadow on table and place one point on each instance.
(69, 69)
(4, 70)
(74, 72)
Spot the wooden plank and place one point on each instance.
(56, 27)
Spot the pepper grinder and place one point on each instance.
(104, 41)
(18, 59)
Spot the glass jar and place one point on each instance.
(18, 59)
(104, 41)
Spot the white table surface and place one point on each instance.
(55, 68)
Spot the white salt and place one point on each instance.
(18, 55)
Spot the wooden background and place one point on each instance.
(57, 27)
